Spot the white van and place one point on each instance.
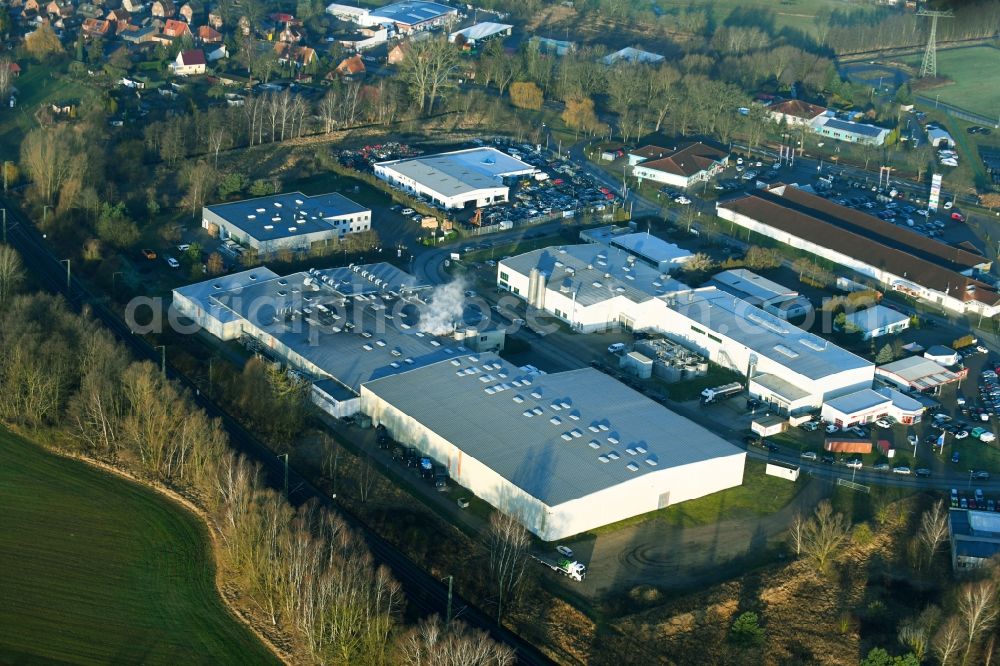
(808, 455)
(616, 348)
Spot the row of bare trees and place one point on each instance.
(303, 571)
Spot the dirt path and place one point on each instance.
(674, 558)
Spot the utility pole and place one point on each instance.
(285, 456)
(163, 359)
(68, 276)
(45, 213)
(5, 226)
(451, 580)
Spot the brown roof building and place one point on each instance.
(162, 9)
(795, 111)
(689, 164)
(209, 35)
(351, 68)
(174, 29)
(894, 256)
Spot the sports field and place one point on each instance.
(976, 74)
(97, 570)
(798, 14)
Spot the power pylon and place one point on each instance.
(929, 66)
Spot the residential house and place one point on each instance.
(60, 9)
(31, 8)
(351, 68)
(189, 63)
(89, 10)
(146, 34)
(118, 16)
(163, 9)
(209, 35)
(397, 54)
(133, 6)
(244, 24)
(215, 20)
(300, 56)
(795, 112)
(290, 35)
(218, 53)
(14, 69)
(689, 164)
(186, 12)
(94, 27)
(174, 29)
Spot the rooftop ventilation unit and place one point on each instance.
(612, 439)
(651, 461)
(555, 420)
(251, 217)
(613, 455)
(632, 467)
(603, 459)
(594, 444)
(815, 345)
(528, 413)
(640, 448)
(567, 437)
(782, 349)
(537, 411)
(518, 399)
(268, 227)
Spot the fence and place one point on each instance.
(853, 486)
(956, 112)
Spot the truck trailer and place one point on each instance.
(720, 393)
(569, 568)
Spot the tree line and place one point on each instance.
(302, 571)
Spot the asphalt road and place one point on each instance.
(424, 593)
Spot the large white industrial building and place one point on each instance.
(291, 220)
(896, 257)
(789, 368)
(337, 327)
(407, 16)
(475, 177)
(596, 287)
(564, 452)
(592, 287)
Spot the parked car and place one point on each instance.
(881, 467)
(808, 455)
(831, 428)
(982, 475)
(882, 423)
(902, 469)
(463, 503)
(987, 437)
(954, 456)
(565, 551)
(149, 254)
(923, 472)
(173, 263)
(854, 463)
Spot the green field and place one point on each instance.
(35, 86)
(98, 570)
(797, 14)
(975, 72)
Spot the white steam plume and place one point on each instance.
(444, 308)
